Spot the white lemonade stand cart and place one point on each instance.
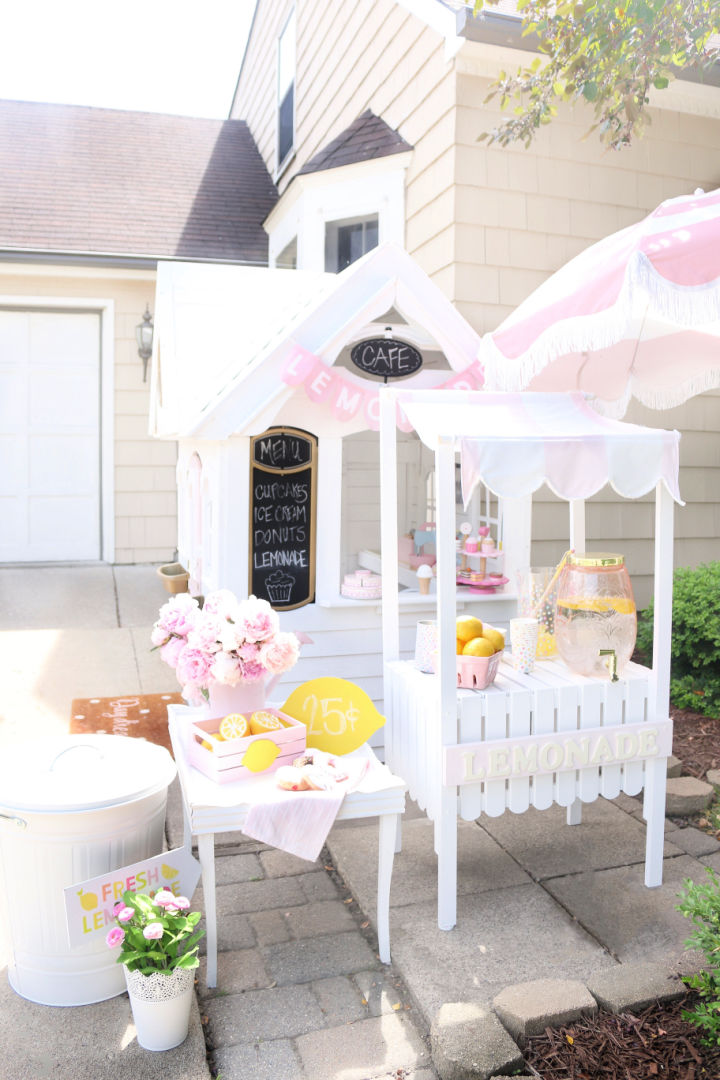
(551, 735)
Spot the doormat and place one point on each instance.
(142, 716)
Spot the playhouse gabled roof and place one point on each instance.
(224, 334)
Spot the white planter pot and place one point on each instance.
(161, 1006)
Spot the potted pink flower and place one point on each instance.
(158, 943)
(226, 645)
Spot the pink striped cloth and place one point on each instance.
(299, 821)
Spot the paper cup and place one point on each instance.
(426, 646)
(524, 639)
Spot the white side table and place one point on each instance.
(209, 808)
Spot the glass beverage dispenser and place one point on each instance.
(596, 619)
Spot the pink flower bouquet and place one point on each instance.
(227, 641)
(155, 933)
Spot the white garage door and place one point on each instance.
(49, 436)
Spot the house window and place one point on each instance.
(286, 90)
(346, 241)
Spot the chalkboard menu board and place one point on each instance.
(283, 496)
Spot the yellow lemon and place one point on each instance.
(459, 646)
(234, 726)
(478, 646)
(262, 721)
(207, 745)
(495, 638)
(260, 755)
(468, 627)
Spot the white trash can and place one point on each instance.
(72, 808)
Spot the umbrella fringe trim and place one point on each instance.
(686, 305)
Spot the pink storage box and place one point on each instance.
(223, 762)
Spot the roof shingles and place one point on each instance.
(87, 181)
(367, 137)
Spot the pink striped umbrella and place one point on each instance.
(635, 315)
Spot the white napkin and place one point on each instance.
(299, 821)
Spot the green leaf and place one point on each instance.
(660, 82)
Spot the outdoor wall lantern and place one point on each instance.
(144, 335)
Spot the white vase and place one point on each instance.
(161, 1006)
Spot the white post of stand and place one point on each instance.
(656, 771)
(446, 823)
(577, 543)
(389, 563)
(389, 528)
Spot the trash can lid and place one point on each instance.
(82, 772)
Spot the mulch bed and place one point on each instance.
(696, 741)
(656, 1042)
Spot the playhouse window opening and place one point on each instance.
(484, 509)
(348, 240)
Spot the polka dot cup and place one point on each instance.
(524, 640)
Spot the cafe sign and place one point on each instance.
(388, 358)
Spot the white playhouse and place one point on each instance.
(549, 735)
(270, 381)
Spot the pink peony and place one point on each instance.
(179, 615)
(153, 931)
(280, 654)
(252, 671)
(250, 651)
(226, 669)
(193, 666)
(115, 937)
(259, 621)
(118, 906)
(182, 902)
(231, 636)
(205, 634)
(159, 635)
(171, 651)
(125, 914)
(221, 602)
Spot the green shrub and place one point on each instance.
(695, 649)
(701, 904)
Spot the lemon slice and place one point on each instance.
(262, 721)
(234, 726)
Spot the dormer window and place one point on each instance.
(346, 241)
(286, 92)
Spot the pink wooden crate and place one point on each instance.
(223, 762)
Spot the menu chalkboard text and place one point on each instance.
(283, 497)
